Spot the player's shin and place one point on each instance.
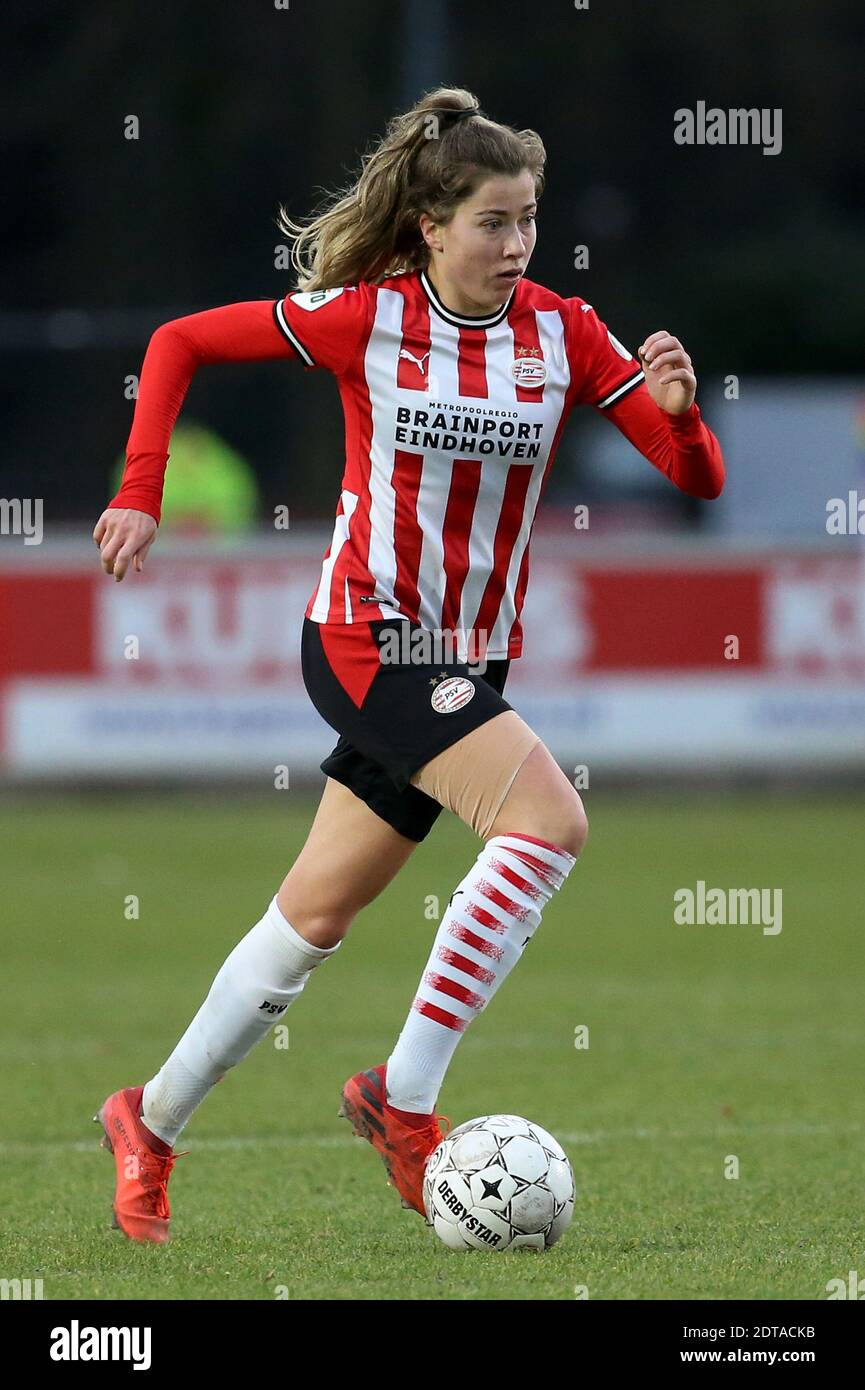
(490, 918)
(264, 974)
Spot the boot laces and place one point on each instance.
(154, 1170)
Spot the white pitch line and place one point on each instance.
(720, 1131)
(320, 1141)
(327, 1141)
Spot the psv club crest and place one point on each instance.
(451, 694)
(528, 368)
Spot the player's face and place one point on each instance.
(477, 258)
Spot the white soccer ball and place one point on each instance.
(499, 1183)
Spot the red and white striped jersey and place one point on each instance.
(451, 426)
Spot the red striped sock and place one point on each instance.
(492, 915)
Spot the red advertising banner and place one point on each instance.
(210, 646)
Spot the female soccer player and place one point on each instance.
(457, 375)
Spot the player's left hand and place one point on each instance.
(669, 372)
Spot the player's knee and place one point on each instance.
(312, 892)
(319, 924)
(569, 825)
(322, 931)
(559, 818)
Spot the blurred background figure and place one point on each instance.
(210, 488)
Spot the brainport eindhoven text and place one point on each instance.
(469, 433)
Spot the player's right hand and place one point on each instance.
(124, 534)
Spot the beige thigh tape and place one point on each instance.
(473, 776)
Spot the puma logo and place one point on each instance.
(418, 361)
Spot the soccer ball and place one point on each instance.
(499, 1183)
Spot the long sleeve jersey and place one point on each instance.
(451, 426)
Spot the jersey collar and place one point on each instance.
(465, 320)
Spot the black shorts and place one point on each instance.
(392, 716)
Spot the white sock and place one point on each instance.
(491, 916)
(265, 973)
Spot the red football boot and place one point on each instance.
(140, 1197)
(404, 1148)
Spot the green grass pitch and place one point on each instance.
(704, 1042)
